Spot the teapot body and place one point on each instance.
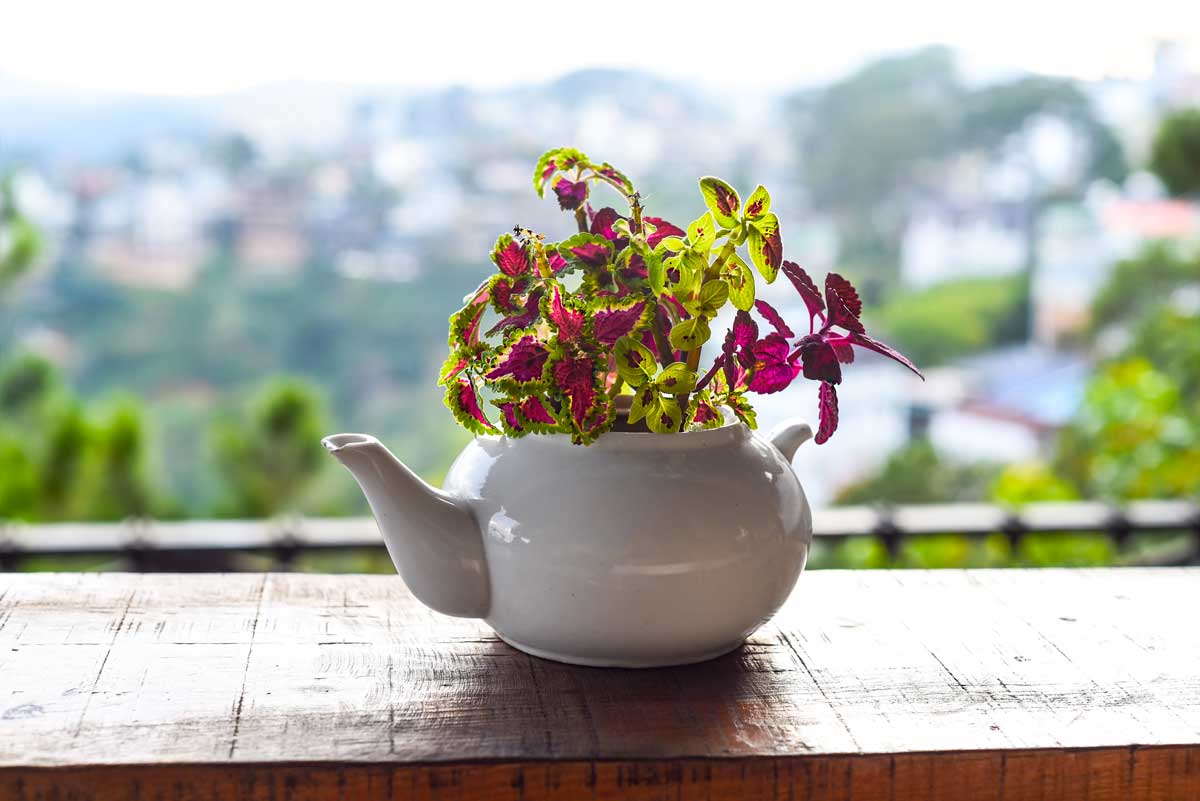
(639, 550)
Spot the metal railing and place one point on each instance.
(206, 544)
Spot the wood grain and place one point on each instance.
(958, 685)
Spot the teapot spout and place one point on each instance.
(790, 435)
(431, 536)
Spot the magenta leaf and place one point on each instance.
(612, 323)
(774, 369)
(662, 229)
(567, 321)
(524, 360)
(575, 377)
(510, 256)
(509, 411)
(591, 254)
(571, 194)
(557, 262)
(602, 223)
(827, 399)
(705, 413)
(865, 341)
(504, 292)
(464, 404)
(464, 325)
(536, 412)
(805, 286)
(843, 303)
(819, 359)
(771, 316)
(525, 318)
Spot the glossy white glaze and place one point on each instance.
(640, 550)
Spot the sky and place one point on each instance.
(204, 47)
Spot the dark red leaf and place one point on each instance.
(524, 360)
(819, 359)
(771, 316)
(571, 194)
(828, 402)
(865, 341)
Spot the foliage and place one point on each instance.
(19, 240)
(916, 473)
(957, 318)
(1133, 438)
(60, 461)
(269, 458)
(1175, 154)
(646, 294)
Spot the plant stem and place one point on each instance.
(666, 354)
(615, 389)
(581, 219)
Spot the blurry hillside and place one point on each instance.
(194, 249)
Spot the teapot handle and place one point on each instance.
(790, 435)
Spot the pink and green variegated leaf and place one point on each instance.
(766, 246)
(661, 230)
(634, 361)
(843, 304)
(758, 204)
(509, 419)
(525, 318)
(722, 200)
(827, 400)
(587, 250)
(561, 311)
(702, 412)
(806, 288)
(864, 341)
(465, 324)
(506, 293)
(523, 361)
(612, 173)
(616, 319)
(559, 159)
(535, 415)
(576, 378)
(460, 359)
(557, 262)
(510, 256)
(741, 408)
(774, 369)
(571, 194)
(463, 403)
(773, 317)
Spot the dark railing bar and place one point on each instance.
(287, 537)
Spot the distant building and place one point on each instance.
(944, 243)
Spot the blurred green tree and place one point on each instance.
(19, 240)
(1175, 154)
(268, 459)
(1133, 438)
(916, 473)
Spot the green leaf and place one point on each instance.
(713, 296)
(635, 362)
(702, 233)
(758, 204)
(672, 243)
(766, 246)
(642, 399)
(676, 379)
(543, 163)
(664, 416)
(741, 283)
(722, 200)
(656, 272)
(689, 334)
(742, 409)
(692, 267)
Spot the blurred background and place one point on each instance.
(226, 231)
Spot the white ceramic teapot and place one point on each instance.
(639, 550)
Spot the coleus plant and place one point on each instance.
(624, 307)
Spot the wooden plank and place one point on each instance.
(944, 684)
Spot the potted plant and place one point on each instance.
(615, 508)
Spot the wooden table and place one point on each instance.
(961, 685)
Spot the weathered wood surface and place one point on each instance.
(960, 685)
